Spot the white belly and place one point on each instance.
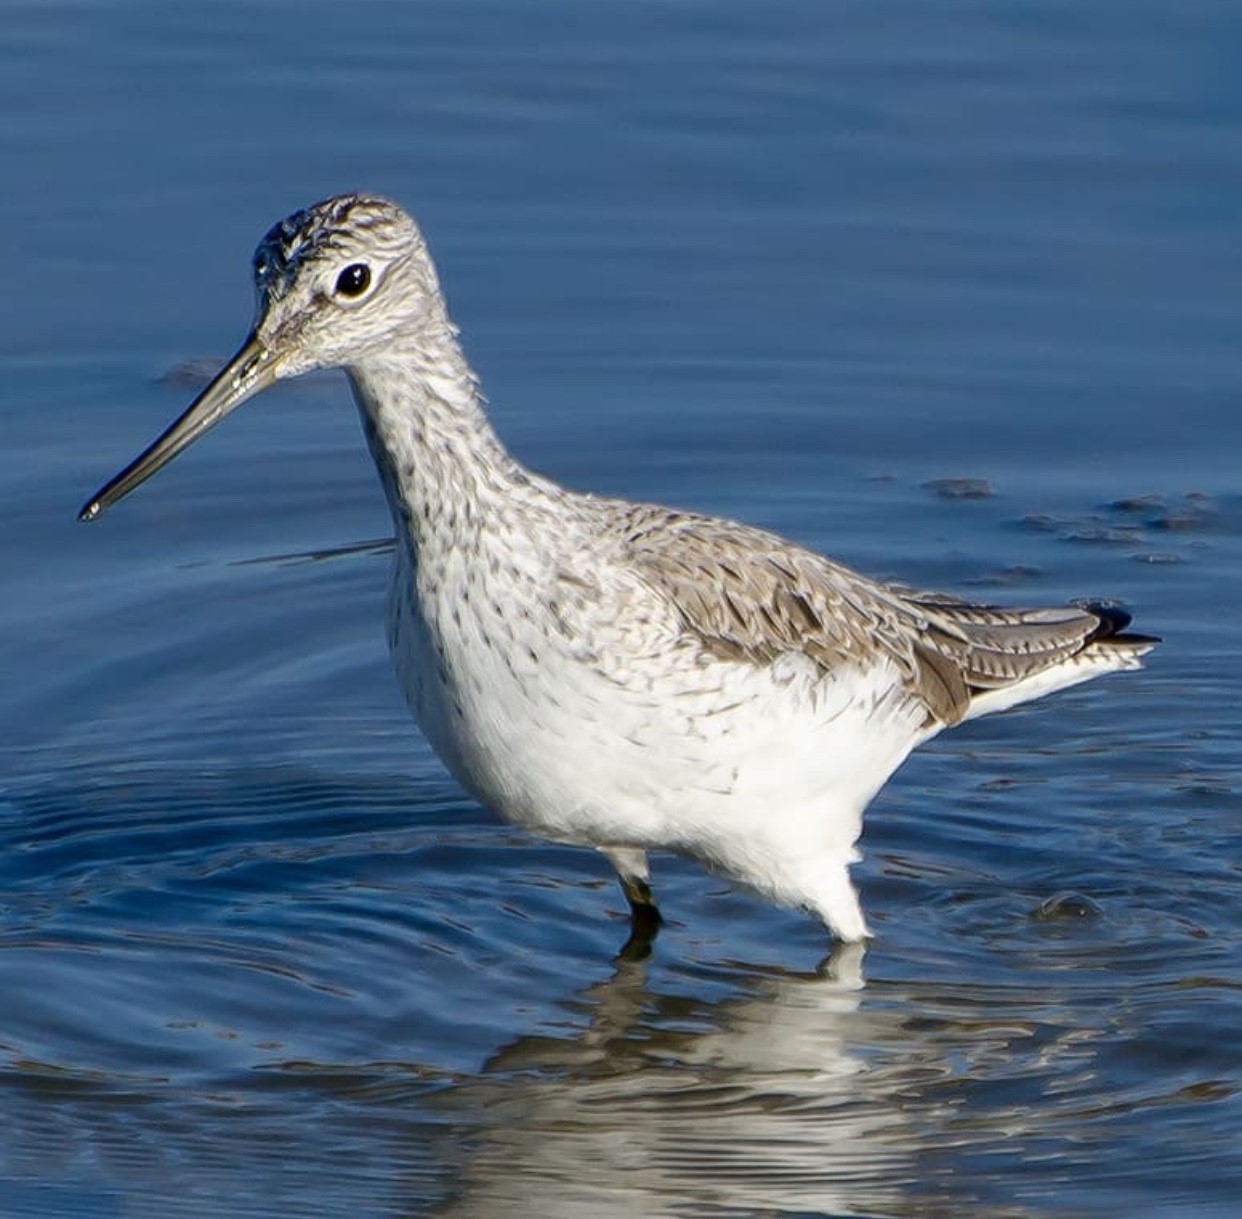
(723, 761)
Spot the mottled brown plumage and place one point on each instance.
(752, 596)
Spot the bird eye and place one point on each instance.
(354, 280)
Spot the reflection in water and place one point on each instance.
(279, 991)
(674, 1087)
(668, 1105)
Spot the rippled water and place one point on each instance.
(806, 264)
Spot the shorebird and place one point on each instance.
(620, 675)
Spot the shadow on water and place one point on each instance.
(325, 554)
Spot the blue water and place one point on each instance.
(789, 262)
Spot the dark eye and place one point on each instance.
(354, 280)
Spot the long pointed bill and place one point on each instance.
(249, 372)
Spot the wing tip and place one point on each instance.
(1111, 629)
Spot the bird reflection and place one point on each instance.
(665, 1104)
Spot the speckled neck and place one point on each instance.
(444, 470)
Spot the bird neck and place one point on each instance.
(443, 469)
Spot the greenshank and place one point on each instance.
(620, 675)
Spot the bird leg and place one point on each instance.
(645, 918)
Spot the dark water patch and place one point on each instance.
(1193, 512)
(1084, 529)
(1139, 504)
(1008, 577)
(961, 488)
(1139, 517)
(1067, 907)
(194, 373)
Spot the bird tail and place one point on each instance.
(1010, 656)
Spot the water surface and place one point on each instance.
(790, 263)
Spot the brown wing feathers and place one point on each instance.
(751, 596)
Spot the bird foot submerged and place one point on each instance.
(602, 671)
(645, 918)
(645, 923)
